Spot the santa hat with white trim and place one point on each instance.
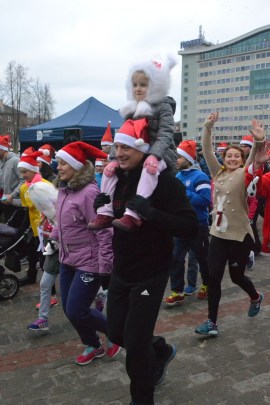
(77, 153)
(28, 151)
(222, 146)
(5, 143)
(28, 161)
(134, 133)
(187, 149)
(99, 162)
(46, 158)
(107, 137)
(247, 140)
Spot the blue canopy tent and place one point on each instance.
(91, 117)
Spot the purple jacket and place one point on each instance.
(79, 247)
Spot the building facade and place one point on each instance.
(232, 78)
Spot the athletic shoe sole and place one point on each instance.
(163, 375)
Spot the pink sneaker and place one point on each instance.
(127, 223)
(112, 350)
(89, 354)
(101, 222)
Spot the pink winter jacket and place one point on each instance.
(78, 246)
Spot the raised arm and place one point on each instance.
(208, 153)
(258, 134)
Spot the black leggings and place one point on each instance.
(236, 254)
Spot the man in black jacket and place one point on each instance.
(142, 260)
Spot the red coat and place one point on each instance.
(263, 190)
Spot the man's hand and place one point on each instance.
(151, 164)
(100, 200)
(139, 205)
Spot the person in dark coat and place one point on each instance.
(142, 260)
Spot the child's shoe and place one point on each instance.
(39, 324)
(101, 222)
(127, 223)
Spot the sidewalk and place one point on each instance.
(233, 368)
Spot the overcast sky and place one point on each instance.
(84, 48)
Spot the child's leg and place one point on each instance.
(46, 283)
(147, 185)
(107, 186)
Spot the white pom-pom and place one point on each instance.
(46, 152)
(139, 142)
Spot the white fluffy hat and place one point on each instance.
(158, 72)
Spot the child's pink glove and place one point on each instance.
(110, 168)
(151, 164)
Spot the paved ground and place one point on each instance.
(233, 368)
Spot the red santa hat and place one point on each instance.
(134, 133)
(76, 154)
(99, 162)
(107, 137)
(28, 151)
(46, 158)
(222, 146)
(29, 161)
(187, 149)
(247, 140)
(5, 143)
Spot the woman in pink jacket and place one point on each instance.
(85, 256)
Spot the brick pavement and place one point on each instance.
(231, 369)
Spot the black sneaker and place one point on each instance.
(161, 371)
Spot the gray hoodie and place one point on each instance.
(10, 178)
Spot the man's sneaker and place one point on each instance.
(127, 223)
(101, 222)
(53, 303)
(162, 369)
(112, 350)
(100, 300)
(90, 354)
(203, 292)
(175, 298)
(189, 290)
(39, 324)
(255, 306)
(207, 328)
(251, 260)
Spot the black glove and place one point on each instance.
(105, 281)
(100, 200)
(140, 205)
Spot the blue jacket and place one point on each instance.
(198, 190)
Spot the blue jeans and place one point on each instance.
(46, 283)
(199, 247)
(78, 290)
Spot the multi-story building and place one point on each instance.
(232, 78)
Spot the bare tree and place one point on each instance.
(16, 89)
(41, 106)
